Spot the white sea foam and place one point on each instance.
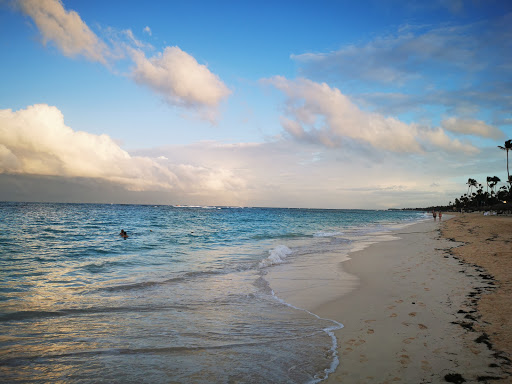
(330, 331)
(327, 234)
(276, 256)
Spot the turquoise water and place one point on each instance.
(182, 299)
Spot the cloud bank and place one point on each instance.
(174, 74)
(38, 147)
(320, 114)
(36, 141)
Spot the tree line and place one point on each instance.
(479, 196)
(483, 197)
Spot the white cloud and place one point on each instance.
(440, 139)
(320, 114)
(400, 58)
(323, 114)
(175, 74)
(472, 127)
(179, 78)
(133, 40)
(147, 30)
(36, 141)
(409, 61)
(65, 28)
(288, 173)
(207, 181)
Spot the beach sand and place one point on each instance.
(412, 310)
(488, 244)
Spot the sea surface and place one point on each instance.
(183, 299)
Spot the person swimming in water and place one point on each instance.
(123, 234)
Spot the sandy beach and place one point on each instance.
(417, 307)
(488, 244)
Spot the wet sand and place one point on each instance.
(413, 311)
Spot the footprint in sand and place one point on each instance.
(355, 343)
(412, 314)
(421, 326)
(370, 331)
(409, 340)
(393, 315)
(399, 301)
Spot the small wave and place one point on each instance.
(105, 266)
(29, 315)
(183, 278)
(54, 230)
(328, 234)
(329, 331)
(18, 360)
(276, 256)
(278, 236)
(141, 285)
(26, 315)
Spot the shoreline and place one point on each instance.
(406, 304)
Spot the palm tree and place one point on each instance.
(502, 193)
(471, 183)
(507, 147)
(489, 180)
(494, 181)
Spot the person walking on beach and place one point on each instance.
(434, 214)
(440, 215)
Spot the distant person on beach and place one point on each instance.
(123, 234)
(440, 215)
(434, 214)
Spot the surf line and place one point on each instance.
(329, 330)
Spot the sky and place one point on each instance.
(313, 104)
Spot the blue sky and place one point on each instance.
(331, 104)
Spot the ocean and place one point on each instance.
(183, 299)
